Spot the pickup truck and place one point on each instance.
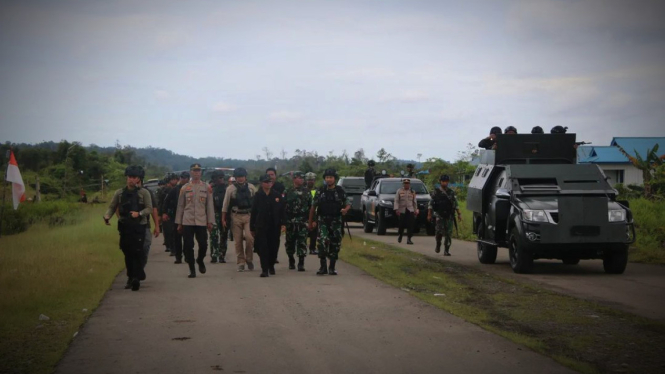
(377, 206)
(354, 188)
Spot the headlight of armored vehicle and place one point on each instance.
(618, 215)
(534, 215)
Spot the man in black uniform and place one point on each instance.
(370, 173)
(167, 225)
(279, 188)
(265, 224)
(409, 171)
(170, 206)
(490, 141)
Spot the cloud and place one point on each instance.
(362, 74)
(223, 107)
(407, 96)
(285, 116)
(162, 95)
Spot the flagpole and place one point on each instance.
(4, 190)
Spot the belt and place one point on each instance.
(240, 211)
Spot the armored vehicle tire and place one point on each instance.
(520, 260)
(367, 227)
(615, 261)
(380, 223)
(431, 229)
(571, 261)
(486, 252)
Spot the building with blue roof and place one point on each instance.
(615, 164)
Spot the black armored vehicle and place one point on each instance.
(354, 188)
(530, 196)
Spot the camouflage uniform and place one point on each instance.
(297, 201)
(444, 220)
(218, 235)
(329, 222)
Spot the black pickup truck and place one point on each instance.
(377, 206)
(354, 188)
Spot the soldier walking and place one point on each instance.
(279, 188)
(168, 226)
(311, 181)
(218, 233)
(265, 224)
(134, 207)
(406, 208)
(329, 205)
(297, 203)
(238, 201)
(170, 206)
(194, 216)
(443, 205)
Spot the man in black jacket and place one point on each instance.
(265, 224)
(490, 141)
(169, 207)
(369, 174)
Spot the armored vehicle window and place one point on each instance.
(537, 181)
(478, 171)
(485, 172)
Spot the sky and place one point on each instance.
(228, 78)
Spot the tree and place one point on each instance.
(284, 153)
(383, 156)
(647, 165)
(418, 156)
(267, 152)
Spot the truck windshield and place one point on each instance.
(392, 187)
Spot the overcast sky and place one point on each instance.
(226, 78)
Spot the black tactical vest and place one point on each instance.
(330, 201)
(243, 200)
(443, 202)
(129, 202)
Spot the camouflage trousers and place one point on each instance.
(330, 237)
(296, 237)
(218, 238)
(444, 229)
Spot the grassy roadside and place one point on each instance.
(580, 334)
(61, 272)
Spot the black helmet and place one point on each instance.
(161, 182)
(444, 177)
(216, 175)
(171, 177)
(510, 128)
(496, 130)
(134, 171)
(409, 166)
(185, 174)
(330, 173)
(537, 130)
(371, 163)
(239, 172)
(558, 130)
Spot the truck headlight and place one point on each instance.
(618, 215)
(534, 215)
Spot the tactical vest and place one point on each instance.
(243, 199)
(129, 202)
(442, 202)
(218, 193)
(330, 201)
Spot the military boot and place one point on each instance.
(292, 262)
(192, 270)
(438, 244)
(202, 266)
(447, 245)
(129, 283)
(331, 268)
(301, 263)
(323, 270)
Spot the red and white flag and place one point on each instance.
(14, 176)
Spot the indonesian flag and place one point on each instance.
(14, 176)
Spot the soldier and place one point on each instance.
(147, 243)
(490, 141)
(311, 181)
(443, 205)
(406, 208)
(409, 171)
(134, 207)
(370, 173)
(297, 203)
(276, 185)
(218, 233)
(229, 232)
(238, 201)
(195, 214)
(265, 224)
(329, 205)
(510, 130)
(537, 130)
(167, 224)
(170, 207)
(558, 130)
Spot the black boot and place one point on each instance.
(292, 262)
(192, 270)
(213, 260)
(399, 239)
(447, 244)
(136, 284)
(331, 268)
(301, 263)
(323, 270)
(202, 266)
(264, 274)
(438, 244)
(408, 241)
(129, 283)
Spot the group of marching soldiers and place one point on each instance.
(188, 209)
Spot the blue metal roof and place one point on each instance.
(641, 145)
(601, 155)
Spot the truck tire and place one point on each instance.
(367, 227)
(520, 260)
(380, 223)
(571, 261)
(486, 253)
(615, 261)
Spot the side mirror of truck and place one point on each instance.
(503, 193)
(371, 193)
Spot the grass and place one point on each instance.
(61, 272)
(580, 334)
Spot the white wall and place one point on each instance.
(631, 174)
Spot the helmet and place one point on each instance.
(537, 130)
(310, 176)
(409, 166)
(510, 128)
(171, 176)
(185, 174)
(161, 182)
(240, 172)
(330, 173)
(444, 177)
(496, 130)
(134, 171)
(298, 174)
(371, 163)
(558, 130)
(216, 175)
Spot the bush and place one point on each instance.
(649, 217)
(54, 213)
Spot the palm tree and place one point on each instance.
(647, 165)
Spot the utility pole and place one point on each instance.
(39, 194)
(102, 186)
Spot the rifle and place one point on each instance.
(582, 143)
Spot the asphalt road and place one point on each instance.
(640, 290)
(289, 323)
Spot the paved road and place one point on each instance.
(289, 323)
(640, 290)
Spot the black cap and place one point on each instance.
(444, 177)
(134, 171)
(496, 130)
(184, 174)
(195, 166)
(265, 178)
(371, 163)
(537, 130)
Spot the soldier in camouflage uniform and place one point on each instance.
(443, 205)
(329, 205)
(311, 181)
(218, 234)
(297, 203)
